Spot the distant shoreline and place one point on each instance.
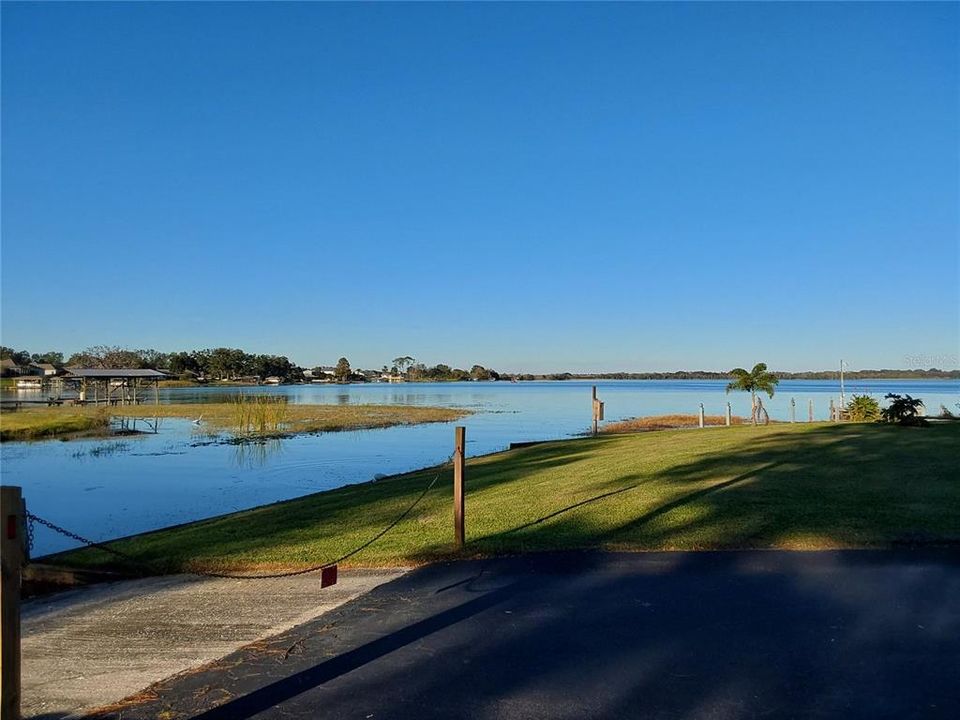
(710, 375)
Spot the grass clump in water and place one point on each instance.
(42, 423)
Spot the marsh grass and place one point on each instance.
(666, 422)
(262, 416)
(43, 423)
(259, 414)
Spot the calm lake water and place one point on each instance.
(108, 488)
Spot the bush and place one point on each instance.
(903, 410)
(863, 408)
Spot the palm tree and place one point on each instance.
(756, 379)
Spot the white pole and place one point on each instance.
(842, 403)
(700, 420)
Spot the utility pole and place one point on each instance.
(842, 402)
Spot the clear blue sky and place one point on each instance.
(529, 187)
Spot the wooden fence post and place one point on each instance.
(700, 416)
(728, 414)
(809, 410)
(12, 557)
(593, 405)
(833, 412)
(459, 448)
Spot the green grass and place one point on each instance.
(43, 423)
(788, 486)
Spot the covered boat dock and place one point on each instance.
(115, 386)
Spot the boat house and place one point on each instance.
(115, 386)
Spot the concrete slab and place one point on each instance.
(94, 646)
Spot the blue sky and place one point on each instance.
(530, 187)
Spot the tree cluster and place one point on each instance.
(24, 357)
(413, 371)
(215, 363)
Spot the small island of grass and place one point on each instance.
(250, 416)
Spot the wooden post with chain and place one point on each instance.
(13, 555)
(459, 450)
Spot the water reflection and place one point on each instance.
(135, 425)
(251, 454)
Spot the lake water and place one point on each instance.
(107, 488)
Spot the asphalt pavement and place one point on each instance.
(765, 634)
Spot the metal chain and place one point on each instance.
(29, 525)
(31, 518)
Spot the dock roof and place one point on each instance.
(114, 373)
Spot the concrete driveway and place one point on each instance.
(859, 634)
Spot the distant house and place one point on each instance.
(272, 380)
(45, 369)
(9, 368)
(328, 370)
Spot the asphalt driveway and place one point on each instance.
(766, 634)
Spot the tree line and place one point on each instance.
(213, 363)
(231, 363)
(932, 373)
(409, 369)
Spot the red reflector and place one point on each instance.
(328, 576)
(11, 527)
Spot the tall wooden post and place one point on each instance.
(700, 416)
(793, 410)
(809, 410)
(459, 449)
(593, 406)
(12, 558)
(728, 414)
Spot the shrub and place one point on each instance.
(863, 408)
(903, 410)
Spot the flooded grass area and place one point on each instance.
(44, 423)
(247, 415)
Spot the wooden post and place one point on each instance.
(156, 392)
(809, 410)
(12, 558)
(793, 410)
(728, 414)
(700, 416)
(593, 405)
(459, 448)
(833, 412)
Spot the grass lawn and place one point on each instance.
(785, 486)
(39, 423)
